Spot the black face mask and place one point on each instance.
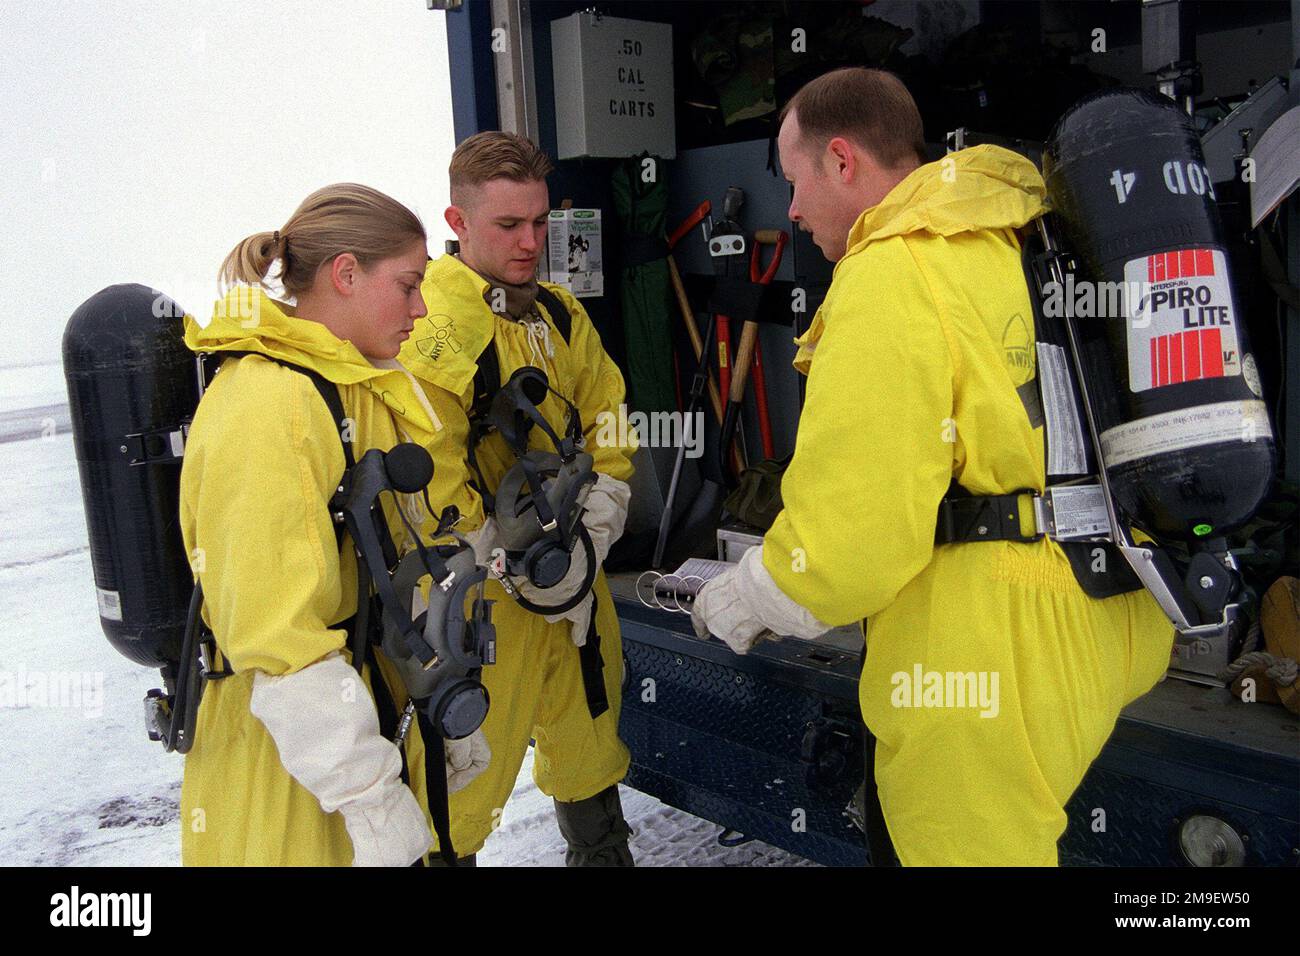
(539, 502)
(439, 653)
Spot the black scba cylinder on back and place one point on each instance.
(133, 389)
(1183, 427)
(1169, 386)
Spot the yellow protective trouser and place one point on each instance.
(536, 691)
(1044, 671)
(240, 807)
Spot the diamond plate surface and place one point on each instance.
(725, 745)
(741, 788)
(708, 698)
(1141, 821)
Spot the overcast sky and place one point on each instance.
(139, 141)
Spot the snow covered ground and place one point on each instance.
(31, 386)
(79, 781)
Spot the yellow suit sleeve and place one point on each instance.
(258, 474)
(598, 391)
(874, 450)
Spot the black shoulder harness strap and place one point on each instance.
(329, 391)
(556, 310)
(357, 626)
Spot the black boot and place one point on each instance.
(595, 830)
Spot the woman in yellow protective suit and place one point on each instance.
(544, 686)
(914, 362)
(288, 766)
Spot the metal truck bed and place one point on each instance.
(766, 745)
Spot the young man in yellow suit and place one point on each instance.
(911, 387)
(550, 682)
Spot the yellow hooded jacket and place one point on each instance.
(913, 362)
(262, 459)
(535, 685)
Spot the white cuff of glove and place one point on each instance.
(579, 615)
(466, 759)
(606, 513)
(580, 618)
(741, 604)
(393, 832)
(326, 730)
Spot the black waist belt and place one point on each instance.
(981, 518)
(1098, 566)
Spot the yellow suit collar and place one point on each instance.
(249, 320)
(983, 187)
(445, 345)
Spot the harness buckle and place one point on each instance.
(985, 518)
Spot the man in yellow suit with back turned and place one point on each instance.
(912, 385)
(552, 682)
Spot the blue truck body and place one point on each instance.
(769, 746)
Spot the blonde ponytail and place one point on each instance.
(344, 217)
(250, 261)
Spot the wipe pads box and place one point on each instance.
(573, 239)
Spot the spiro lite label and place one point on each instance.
(1185, 428)
(1182, 327)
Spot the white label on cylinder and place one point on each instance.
(1185, 428)
(110, 604)
(1181, 326)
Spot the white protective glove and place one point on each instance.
(466, 759)
(486, 543)
(742, 605)
(604, 516)
(327, 732)
(606, 513)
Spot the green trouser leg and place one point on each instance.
(595, 830)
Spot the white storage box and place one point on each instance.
(613, 87)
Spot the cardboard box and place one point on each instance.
(573, 246)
